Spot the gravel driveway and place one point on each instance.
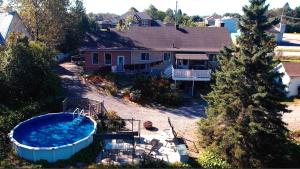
(293, 118)
(183, 118)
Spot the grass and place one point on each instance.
(291, 60)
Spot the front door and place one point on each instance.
(120, 63)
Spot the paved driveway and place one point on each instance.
(183, 118)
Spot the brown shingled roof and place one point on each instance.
(162, 38)
(292, 69)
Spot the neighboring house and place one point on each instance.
(11, 22)
(140, 18)
(277, 31)
(107, 23)
(291, 77)
(211, 20)
(185, 54)
(230, 23)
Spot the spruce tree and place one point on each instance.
(244, 116)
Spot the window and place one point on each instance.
(167, 56)
(95, 60)
(144, 22)
(212, 57)
(107, 58)
(145, 56)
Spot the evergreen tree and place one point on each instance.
(244, 116)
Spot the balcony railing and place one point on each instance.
(191, 75)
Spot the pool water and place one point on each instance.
(53, 130)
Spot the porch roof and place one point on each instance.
(192, 56)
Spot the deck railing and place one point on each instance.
(189, 74)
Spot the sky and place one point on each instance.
(191, 7)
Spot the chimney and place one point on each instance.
(282, 28)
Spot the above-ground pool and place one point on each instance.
(53, 136)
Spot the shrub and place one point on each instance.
(209, 159)
(112, 88)
(170, 98)
(126, 92)
(111, 77)
(135, 95)
(112, 122)
(158, 89)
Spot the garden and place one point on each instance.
(141, 89)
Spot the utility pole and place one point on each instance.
(176, 14)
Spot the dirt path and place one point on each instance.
(183, 118)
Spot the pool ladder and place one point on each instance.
(77, 110)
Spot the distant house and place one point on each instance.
(183, 54)
(291, 77)
(211, 20)
(277, 31)
(230, 23)
(141, 18)
(11, 22)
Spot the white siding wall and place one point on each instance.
(293, 86)
(18, 26)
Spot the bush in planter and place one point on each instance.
(148, 125)
(209, 159)
(135, 95)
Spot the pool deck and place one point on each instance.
(119, 152)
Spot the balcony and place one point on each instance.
(191, 75)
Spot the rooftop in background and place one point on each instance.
(292, 68)
(290, 39)
(5, 22)
(141, 15)
(11, 22)
(160, 39)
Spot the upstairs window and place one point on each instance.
(145, 56)
(95, 59)
(107, 59)
(167, 57)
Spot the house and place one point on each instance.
(291, 77)
(140, 18)
(229, 22)
(11, 22)
(277, 31)
(211, 20)
(183, 54)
